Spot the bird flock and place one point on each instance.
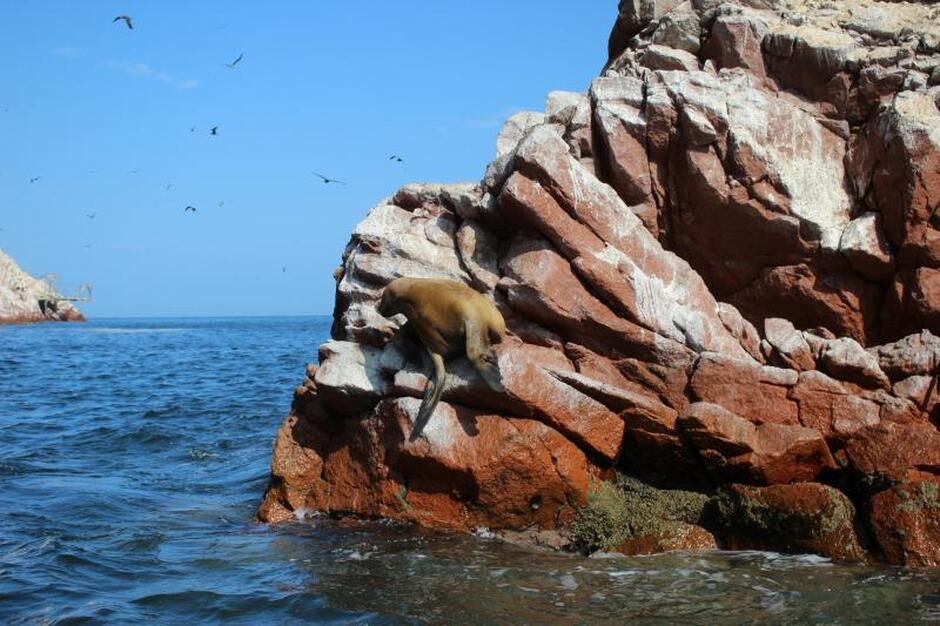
(128, 21)
(214, 131)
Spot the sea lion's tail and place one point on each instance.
(432, 395)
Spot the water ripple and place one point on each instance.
(133, 454)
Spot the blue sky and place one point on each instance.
(103, 116)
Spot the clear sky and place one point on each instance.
(103, 115)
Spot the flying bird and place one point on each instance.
(169, 186)
(90, 216)
(127, 20)
(328, 180)
(221, 202)
(33, 180)
(396, 158)
(137, 171)
(189, 208)
(283, 269)
(89, 245)
(192, 129)
(235, 62)
(214, 130)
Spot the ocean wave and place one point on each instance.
(132, 469)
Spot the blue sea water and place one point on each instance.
(133, 454)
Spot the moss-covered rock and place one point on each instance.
(905, 521)
(801, 517)
(635, 518)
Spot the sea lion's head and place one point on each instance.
(389, 304)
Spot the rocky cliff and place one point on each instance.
(26, 299)
(720, 268)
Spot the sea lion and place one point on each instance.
(450, 319)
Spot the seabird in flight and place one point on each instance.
(127, 20)
(214, 130)
(189, 208)
(235, 62)
(328, 180)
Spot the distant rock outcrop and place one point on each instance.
(720, 269)
(25, 299)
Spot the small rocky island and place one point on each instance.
(720, 271)
(24, 299)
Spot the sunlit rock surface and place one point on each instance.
(25, 299)
(720, 270)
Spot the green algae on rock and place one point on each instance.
(905, 522)
(800, 517)
(629, 516)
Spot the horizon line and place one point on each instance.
(258, 315)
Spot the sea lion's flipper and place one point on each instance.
(481, 354)
(432, 395)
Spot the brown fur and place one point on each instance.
(450, 319)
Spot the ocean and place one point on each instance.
(133, 453)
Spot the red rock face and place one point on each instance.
(701, 262)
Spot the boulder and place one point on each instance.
(801, 517)
(632, 17)
(846, 360)
(665, 58)
(844, 303)
(632, 517)
(736, 41)
(459, 475)
(679, 29)
(789, 344)
(734, 449)
(890, 453)
(514, 129)
(758, 394)
(832, 408)
(914, 355)
(865, 246)
(905, 522)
